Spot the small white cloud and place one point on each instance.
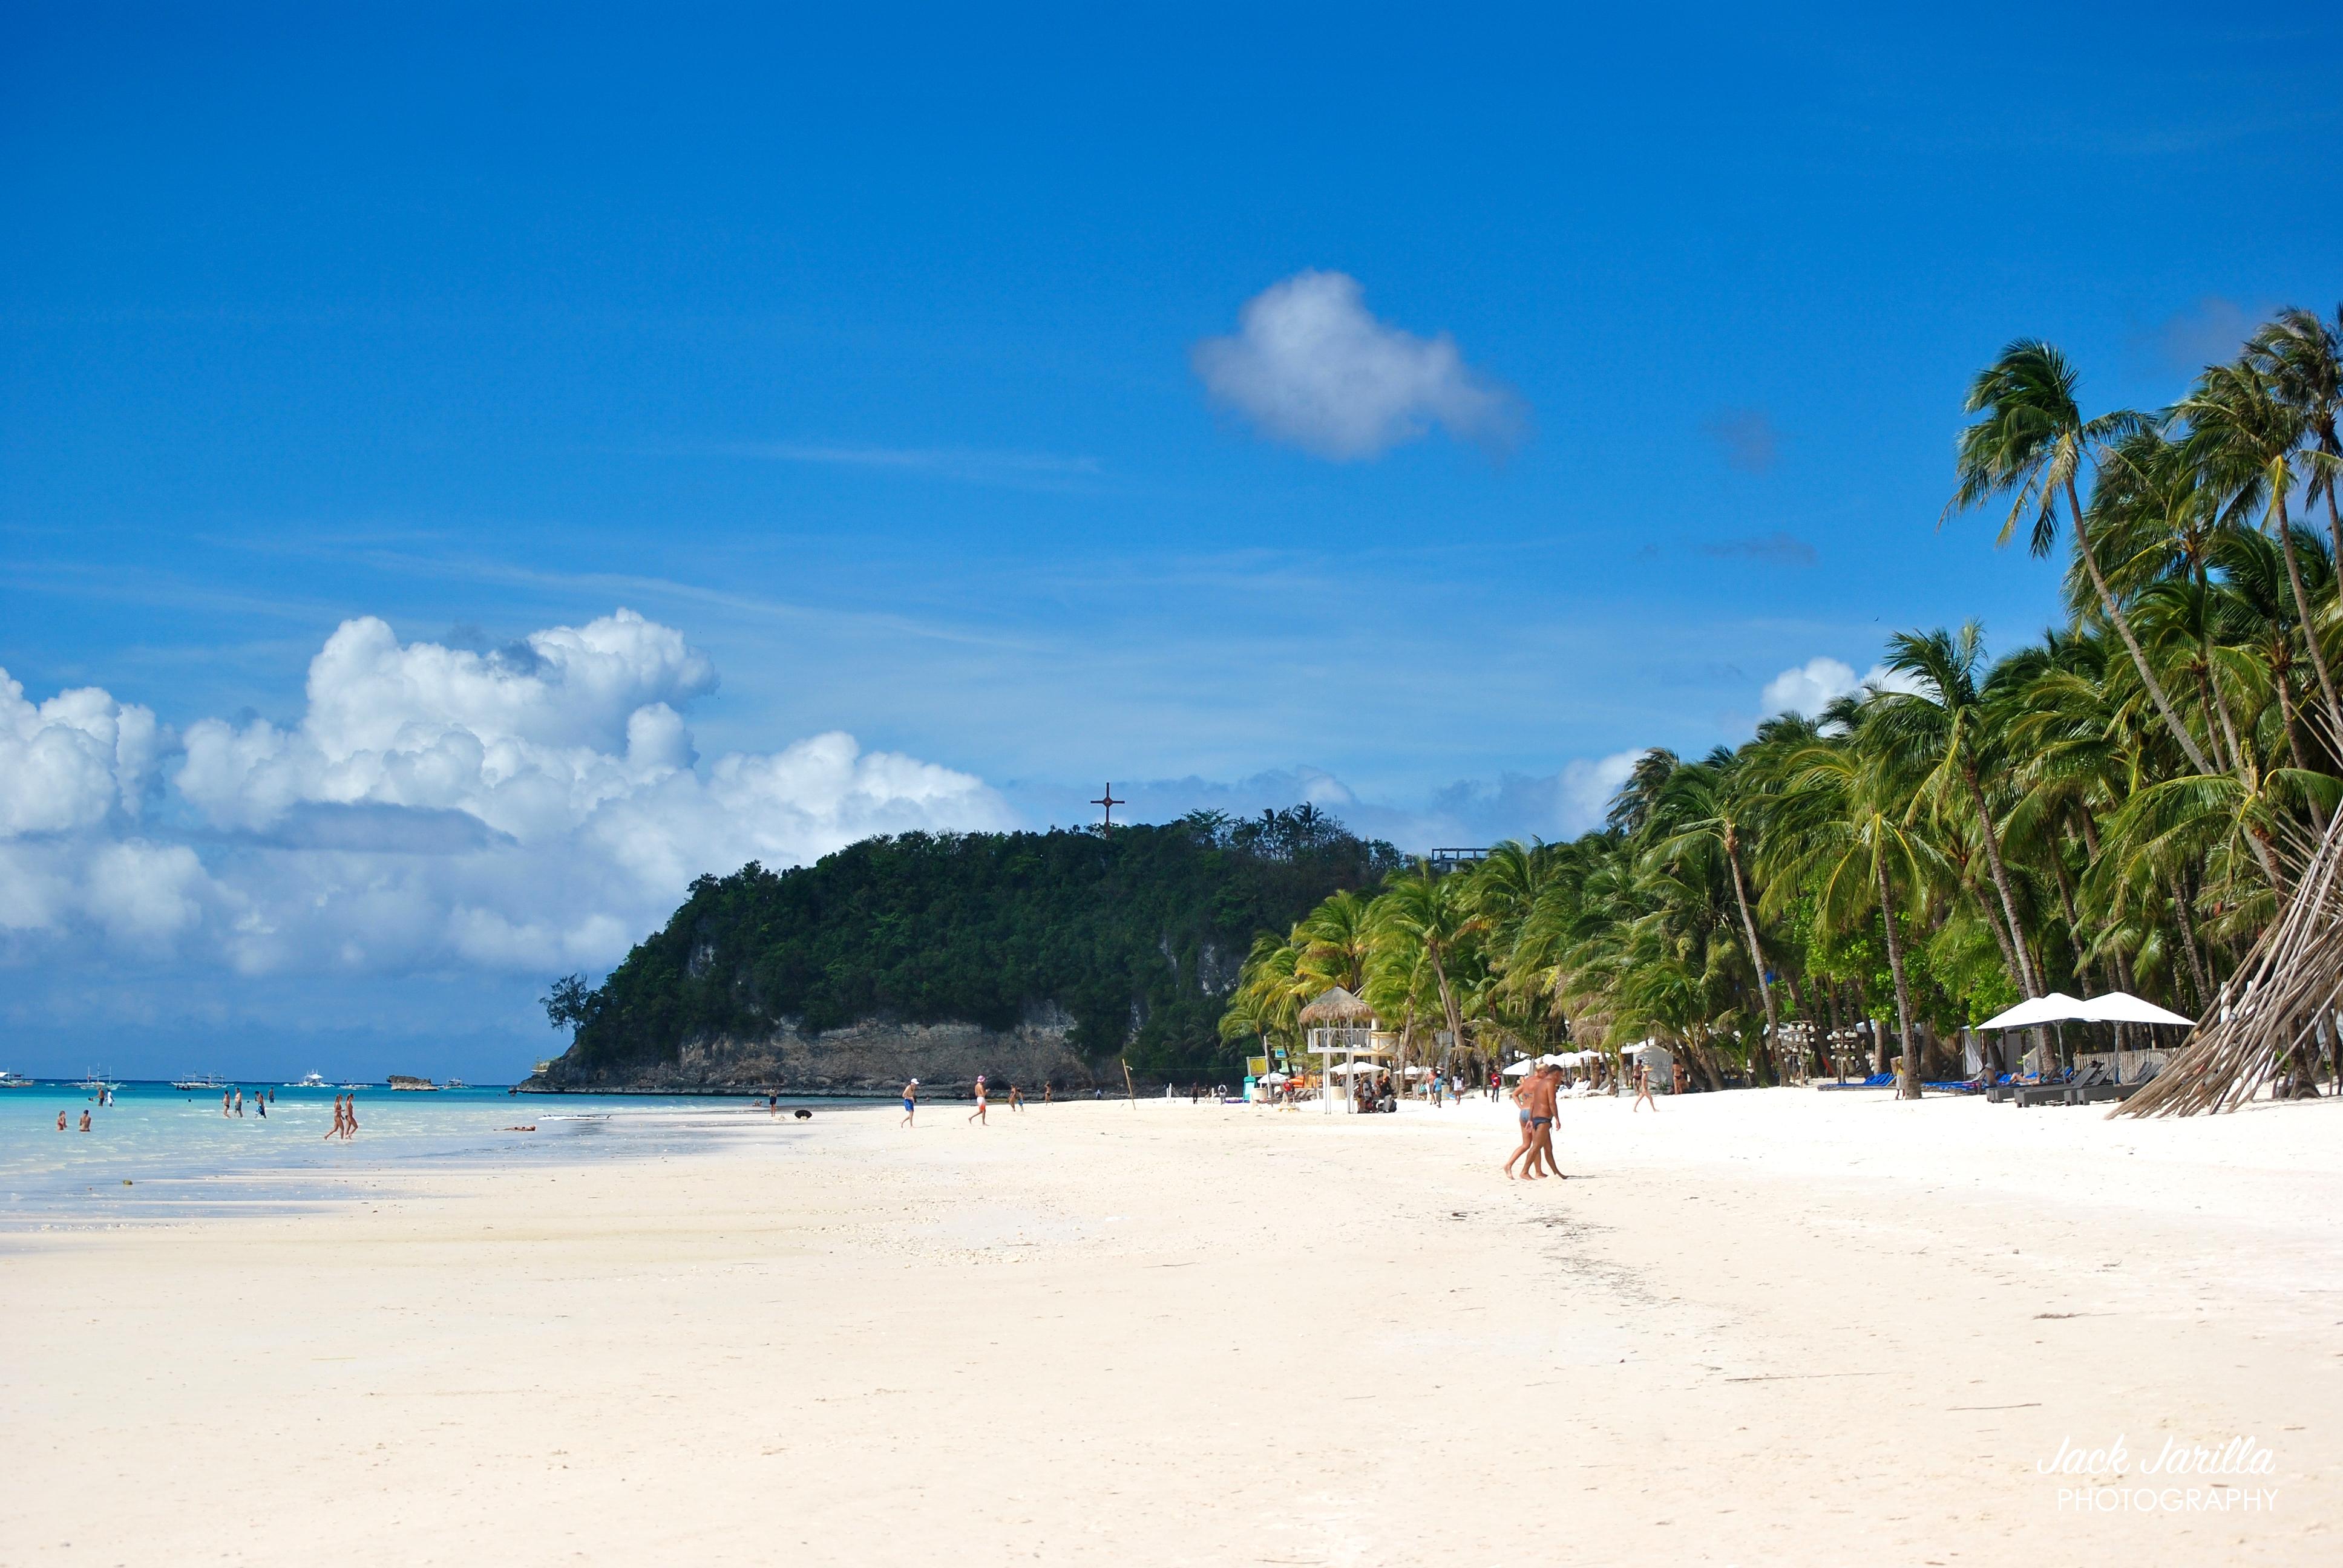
(1810, 687)
(1587, 789)
(1310, 366)
(1817, 684)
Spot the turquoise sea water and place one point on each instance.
(179, 1156)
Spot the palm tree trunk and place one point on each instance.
(2214, 699)
(2026, 977)
(2302, 607)
(1908, 1078)
(2123, 628)
(2294, 748)
(2188, 941)
(1447, 999)
(1756, 961)
(2328, 443)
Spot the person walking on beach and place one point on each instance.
(1016, 1100)
(337, 1132)
(224, 1102)
(1538, 1091)
(978, 1114)
(1545, 1132)
(350, 1119)
(1643, 1087)
(910, 1102)
(1535, 1116)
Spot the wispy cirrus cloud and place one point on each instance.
(968, 465)
(1747, 438)
(1781, 549)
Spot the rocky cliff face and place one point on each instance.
(865, 1058)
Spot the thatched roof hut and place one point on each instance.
(1337, 1006)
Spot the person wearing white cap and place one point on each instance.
(978, 1114)
(910, 1102)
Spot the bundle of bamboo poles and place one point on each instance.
(2273, 1012)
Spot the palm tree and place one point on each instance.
(2030, 444)
(2302, 358)
(1335, 939)
(1850, 803)
(1698, 809)
(2246, 437)
(1945, 727)
(1418, 911)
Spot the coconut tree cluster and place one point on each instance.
(2120, 805)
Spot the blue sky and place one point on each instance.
(871, 357)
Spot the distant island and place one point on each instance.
(1055, 958)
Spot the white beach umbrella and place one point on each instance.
(2122, 1007)
(1520, 1068)
(2056, 1008)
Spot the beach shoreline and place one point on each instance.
(1767, 1326)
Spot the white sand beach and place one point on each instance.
(1766, 1327)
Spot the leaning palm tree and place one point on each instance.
(2030, 444)
(2248, 439)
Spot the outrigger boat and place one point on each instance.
(210, 1082)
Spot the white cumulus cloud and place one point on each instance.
(1309, 364)
(537, 808)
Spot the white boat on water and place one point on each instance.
(16, 1080)
(208, 1083)
(311, 1081)
(98, 1079)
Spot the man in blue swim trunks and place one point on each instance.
(910, 1102)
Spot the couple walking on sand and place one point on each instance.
(1535, 1097)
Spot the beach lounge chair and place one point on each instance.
(2001, 1087)
(2126, 1091)
(2053, 1089)
(1876, 1080)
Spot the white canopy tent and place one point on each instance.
(2115, 1007)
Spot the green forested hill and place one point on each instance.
(1137, 937)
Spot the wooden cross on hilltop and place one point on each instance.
(1108, 801)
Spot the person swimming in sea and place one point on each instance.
(84, 1121)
